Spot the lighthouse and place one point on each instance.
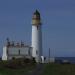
(36, 36)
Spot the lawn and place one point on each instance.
(24, 68)
(59, 69)
(22, 71)
(16, 67)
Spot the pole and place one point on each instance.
(49, 55)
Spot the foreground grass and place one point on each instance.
(22, 71)
(59, 69)
(48, 69)
(17, 70)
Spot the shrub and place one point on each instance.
(19, 63)
(33, 60)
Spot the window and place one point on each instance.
(19, 51)
(36, 52)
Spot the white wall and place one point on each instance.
(17, 52)
(4, 56)
(36, 42)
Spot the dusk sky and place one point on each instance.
(58, 24)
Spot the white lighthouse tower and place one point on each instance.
(36, 36)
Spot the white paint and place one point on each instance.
(42, 59)
(37, 42)
(16, 52)
(4, 56)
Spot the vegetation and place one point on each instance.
(59, 69)
(16, 66)
(24, 66)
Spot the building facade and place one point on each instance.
(18, 50)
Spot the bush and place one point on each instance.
(18, 63)
(33, 60)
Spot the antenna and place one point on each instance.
(8, 42)
(7, 39)
(22, 43)
(49, 54)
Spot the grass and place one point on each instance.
(59, 69)
(48, 69)
(23, 68)
(7, 71)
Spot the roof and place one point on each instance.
(36, 12)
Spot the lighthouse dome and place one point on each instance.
(36, 12)
(36, 20)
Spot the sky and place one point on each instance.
(58, 24)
